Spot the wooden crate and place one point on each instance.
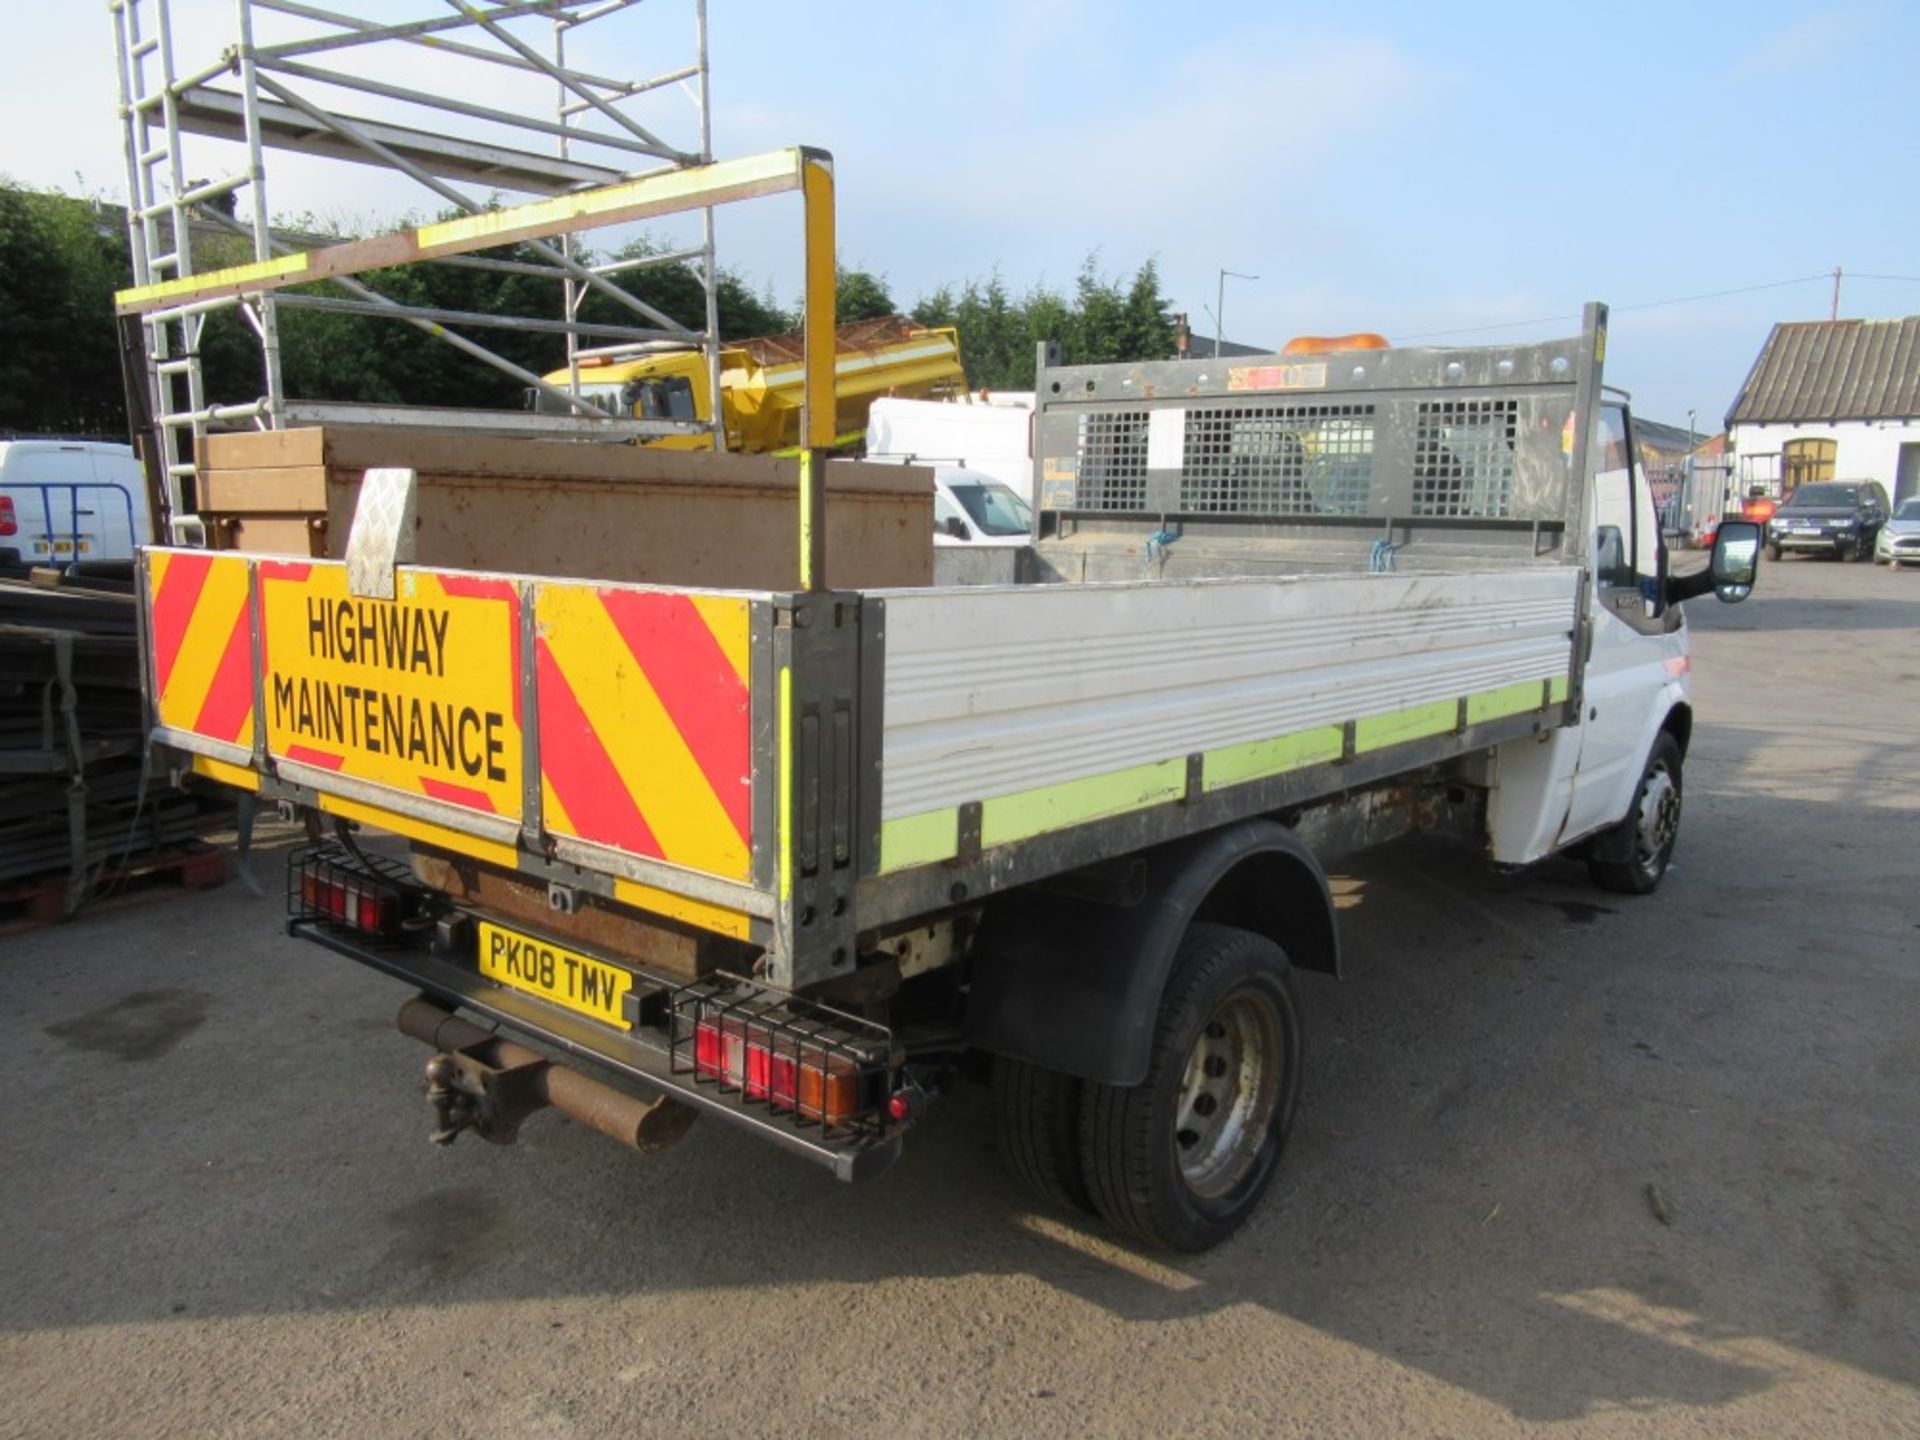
(558, 507)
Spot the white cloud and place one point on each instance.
(1804, 44)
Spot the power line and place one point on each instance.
(1646, 305)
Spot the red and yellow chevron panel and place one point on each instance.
(420, 693)
(202, 643)
(646, 739)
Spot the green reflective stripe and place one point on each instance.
(1507, 700)
(919, 839)
(1376, 732)
(1256, 760)
(934, 835)
(1074, 802)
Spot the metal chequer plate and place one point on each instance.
(382, 536)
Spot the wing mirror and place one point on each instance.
(1736, 559)
(957, 528)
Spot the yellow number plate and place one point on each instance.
(566, 977)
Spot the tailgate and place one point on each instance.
(624, 729)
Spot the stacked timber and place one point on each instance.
(72, 807)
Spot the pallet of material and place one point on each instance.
(74, 806)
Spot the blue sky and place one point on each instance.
(1410, 168)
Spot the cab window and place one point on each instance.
(1613, 539)
(668, 399)
(1628, 557)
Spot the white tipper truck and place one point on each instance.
(786, 857)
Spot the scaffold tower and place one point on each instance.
(402, 88)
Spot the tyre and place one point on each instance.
(1773, 553)
(1654, 823)
(1038, 1114)
(1181, 1159)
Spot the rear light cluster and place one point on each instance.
(813, 1065)
(333, 891)
(8, 524)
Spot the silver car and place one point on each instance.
(1899, 540)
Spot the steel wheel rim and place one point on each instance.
(1659, 820)
(1229, 1094)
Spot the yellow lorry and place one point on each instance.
(761, 382)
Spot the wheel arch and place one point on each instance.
(1069, 975)
(1283, 896)
(1615, 842)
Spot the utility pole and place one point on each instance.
(1220, 307)
(1833, 313)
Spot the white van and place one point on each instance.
(68, 500)
(971, 507)
(993, 436)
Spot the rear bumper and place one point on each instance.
(637, 1061)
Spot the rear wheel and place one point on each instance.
(1038, 1113)
(1182, 1158)
(1654, 823)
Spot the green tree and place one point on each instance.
(61, 259)
(1101, 323)
(935, 311)
(858, 295)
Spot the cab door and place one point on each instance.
(1636, 651)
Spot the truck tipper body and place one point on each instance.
(784, 858)
(761, 389)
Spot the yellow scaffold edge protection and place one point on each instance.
(664, 192)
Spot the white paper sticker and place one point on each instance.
(1166, 439)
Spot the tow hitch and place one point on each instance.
(482, 1082)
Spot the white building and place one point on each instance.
(1831, 400)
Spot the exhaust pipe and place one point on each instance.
(482, 1081)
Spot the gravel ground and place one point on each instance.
(1567, 1160)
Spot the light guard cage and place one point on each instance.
(275, 92)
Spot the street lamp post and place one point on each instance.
(1686, 479)
(1220, 306)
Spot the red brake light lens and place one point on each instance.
(8, 525)
(817, 1083)
(350, 899)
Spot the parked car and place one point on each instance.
(1841, 518)
(1899, 540)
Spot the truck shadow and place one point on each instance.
(1564, 1166)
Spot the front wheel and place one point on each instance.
(1181, 1159)
(1654, 822)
